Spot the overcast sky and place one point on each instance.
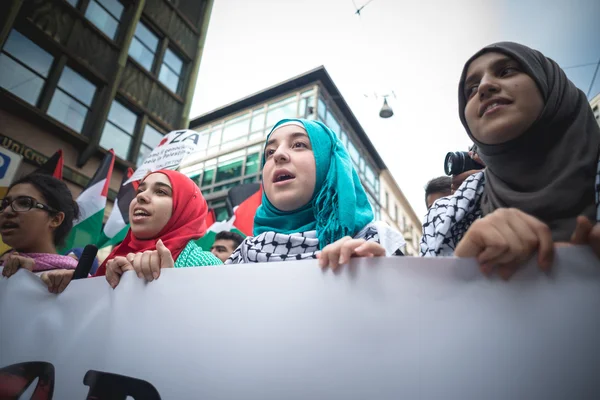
(415, 48)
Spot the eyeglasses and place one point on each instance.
(24, 204)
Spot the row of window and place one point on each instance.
(106, 16)
(25, 68)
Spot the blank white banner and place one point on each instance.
(394, 328)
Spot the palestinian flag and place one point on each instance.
(243, 200)
(117, 225)
(92, 202)
(54, 165)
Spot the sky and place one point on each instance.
(415, 49)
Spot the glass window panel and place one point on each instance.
(370, 175)
(252, 179)
(67, 110)
(226, 186)
(253, 163)
(221, 214)
(277, 114)
(256, 136)
(258, 122)
(235, 129)
(344, 137)
(208, 176)
(302, 108)
(308, 92)
(322, 109)
(141, 54)
(203, 140)
(229, 170)
(169, 78)
(122, 117)
(362, 165)
(77, 86)
(332, 122)
(173, 61)
(19, 80)
(114, 138)
(73, 2)
(143, 154)
(28, 53)
(395, 214)
(113, 6)
(233, 143)
(152, 137)
(98, 16)
(354, 155)
(215, 137)
(146, 36)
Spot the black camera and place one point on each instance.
(457, 162)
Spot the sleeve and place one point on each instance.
(194, 256)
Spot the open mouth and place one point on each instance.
(9, 226)
(494, 105)
(283, 176)
(140, 214)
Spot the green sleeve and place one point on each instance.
(194, 256)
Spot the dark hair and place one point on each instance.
(58, 196)
(438, 185)
(227, 235)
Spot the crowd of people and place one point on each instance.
(536, 140)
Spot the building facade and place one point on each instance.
(89, 75)
(232, 140)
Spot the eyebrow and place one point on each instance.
(293, 135)
(160, 184)
(473, 77)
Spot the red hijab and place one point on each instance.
(188, 221)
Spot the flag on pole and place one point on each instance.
(54, 165)
(117, 225)
(92, 202)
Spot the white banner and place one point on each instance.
(168, 154)
(395, 328)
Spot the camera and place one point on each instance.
(457, 162)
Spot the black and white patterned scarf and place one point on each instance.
(450, 217)
(271, 246)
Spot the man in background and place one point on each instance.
(436, 189)
(225, 243)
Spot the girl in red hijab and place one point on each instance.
(166, 217)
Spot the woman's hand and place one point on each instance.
(115, 268)
(340, 252)
(588, 233)
(148, 264)
(15, 261)
(505, 239)
(57, 279)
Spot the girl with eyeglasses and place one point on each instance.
(36, 215)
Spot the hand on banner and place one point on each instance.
(504, 240)
(340, 252)
(115, 268)
(149, 263)
(15, 261)
(587, 233)
(57, 280)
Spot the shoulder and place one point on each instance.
(385, 235)
(193, 256)
(449, 217)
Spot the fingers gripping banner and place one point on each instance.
(394, 328)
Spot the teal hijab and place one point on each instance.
(339, 206)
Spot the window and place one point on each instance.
(236, 128)
(72, 99)
(370, 176)
(252, 163)
(395, 214)
(332, 123)
(258, 121)
(221, 213)
(209, 172)
(24, 67)
(170, 70)
(354, 155)
(230, 166)
(321, 108)
(386, 200)
(150, 140)
(277, 112)
(143, 46)
(105, 14)
(118, 130)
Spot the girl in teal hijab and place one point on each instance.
(313, 203)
